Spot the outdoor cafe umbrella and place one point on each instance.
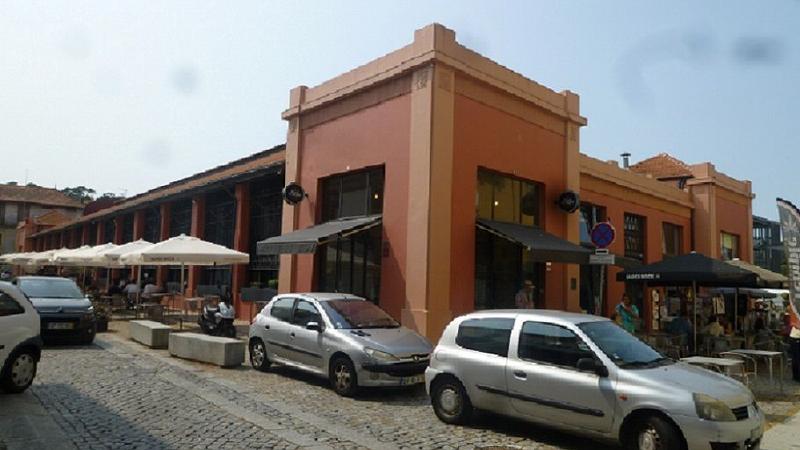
(185, 251)
(693, 269)
(112, 256)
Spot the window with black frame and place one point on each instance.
(152, 224)
(501, 266)
(109, 230)
(220, 223)
(672, 239)
(634, 237)
(352, 264)
(180, 222)
(266, 206)
(127, 228)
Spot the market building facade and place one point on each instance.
(433, 181)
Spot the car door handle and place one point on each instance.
(291, 335)
(520, 375)
(266, 327)
(2, 347)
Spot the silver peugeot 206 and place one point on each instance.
(585, 374)
(345, 338)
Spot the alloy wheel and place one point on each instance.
(22, 370)
(343, 377)
(449, 400)
(649, 439)
(258, 354)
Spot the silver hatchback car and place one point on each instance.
(586, 374)
(342, 337)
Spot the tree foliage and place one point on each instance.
(80, 193)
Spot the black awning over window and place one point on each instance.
(543, 245)
(307, 240)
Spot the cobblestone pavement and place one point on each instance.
(117, 394)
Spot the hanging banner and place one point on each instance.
(789, 216)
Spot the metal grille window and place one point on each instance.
(672, 239)
(127, 229)
(634, 236)
(152, 224)
(180, 218)
(109, 230)
(266, 208)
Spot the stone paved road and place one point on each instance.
(116, 394)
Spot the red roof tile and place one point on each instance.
(36, 194)
(663, 165)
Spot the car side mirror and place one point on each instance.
(592, 365)
(313, 326)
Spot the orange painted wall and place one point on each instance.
(487, 137)
(733, 217)
(615, 211)
(372, 136)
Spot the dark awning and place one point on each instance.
(307, 240)
(688, 269)
(543, 245)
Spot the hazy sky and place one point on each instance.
(125, 96)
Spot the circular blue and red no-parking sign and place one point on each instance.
(603, 234)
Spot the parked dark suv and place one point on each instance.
(65, 313)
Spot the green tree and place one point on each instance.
(80, 193)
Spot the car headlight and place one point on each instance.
(709, 408)
(379, 355)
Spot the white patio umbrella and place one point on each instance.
(93, 257)
(45, 258)
(67, 256)
(185, 251)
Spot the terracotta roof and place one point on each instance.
(663, 165)
(38, 195)
(252, 163)
(51, 218)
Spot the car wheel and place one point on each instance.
(88, 339)
(20, 372)
(656, 433)
(451, 402)
(343, 376)
(258, 355)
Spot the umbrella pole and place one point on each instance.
(139, 290)
(108, 279)
(736, 311)
(694, 309)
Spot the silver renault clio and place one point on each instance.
(343, 337)
(586, 374)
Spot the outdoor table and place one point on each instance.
(767, 355)
(723, 363)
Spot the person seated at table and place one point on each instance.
(115, 288)
(764, 337)
(681, 326)
(714, 327)
(131, 291)
(150, 288)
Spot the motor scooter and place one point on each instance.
(217, 320)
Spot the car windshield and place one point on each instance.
(54, 288)
(623, 348)
(355, 314)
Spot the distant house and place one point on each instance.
(20, 204)
(767, 244)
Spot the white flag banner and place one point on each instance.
(789, 216)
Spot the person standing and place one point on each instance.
(794, 343)
(627, 313)
(524, 298)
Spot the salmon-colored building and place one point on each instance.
(435, 181)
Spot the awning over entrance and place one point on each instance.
(543, 245)
(307, 240)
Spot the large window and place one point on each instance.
(127, 229)
(180, 218)
(507, 199)
(672, 239)
(220, 222)
(501, 266)
(266, 207)
(485, 335)
(109, 230)
(352, 263)
(729, 244)
(152, 224)
(634, 236)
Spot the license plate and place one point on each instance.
(60, 326)
(416, 379)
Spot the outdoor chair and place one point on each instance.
(718, 345)
(749, 371)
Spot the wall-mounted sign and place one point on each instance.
(603, 235)
(601, 257)
(293, 193)
(569, 201)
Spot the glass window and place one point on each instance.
(304, 313)
(729, 246)
(634, 236)
(50, 288)
(109, 230)
(127, 229)
(590, 216)
(619, 345)
(501, 267)
(152, 224)
(265, 221)
(180, 218)
(9, 306)
(357, 314)
(551, 344)
(672, 239)
(485, 335)
(282, 309)
(507, 199)
(352, 194)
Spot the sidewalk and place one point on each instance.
(783, 436)
(25, 425)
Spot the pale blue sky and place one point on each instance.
(124, 96)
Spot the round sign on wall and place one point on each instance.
(603, 234)
(293, 193)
